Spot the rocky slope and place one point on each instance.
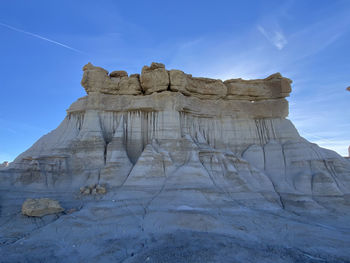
(185, 160)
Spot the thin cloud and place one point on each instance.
(276, 38)
(41, 37)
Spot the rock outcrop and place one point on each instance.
(154, 78)
(96, 79)
(217, 162)
(273, 87)
(203, 88)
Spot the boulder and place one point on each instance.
(93, 190)
(95, 79)
(130, 85)
(124, 85)
(154, 78)
(41, 207)
(178, 81)
(118, 74)
(101, 190)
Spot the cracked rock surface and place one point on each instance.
(197, 170)
(41, 207)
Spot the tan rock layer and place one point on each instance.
(169, 101)
(156, 78)
(272, 87)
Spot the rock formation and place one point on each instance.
(41, 207)
(179, 153)
(172, 117)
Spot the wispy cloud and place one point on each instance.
(41, 37)
(316, 37)
(277, 38)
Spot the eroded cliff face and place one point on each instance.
(142, 130)
(166, 167)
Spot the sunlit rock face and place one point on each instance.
(182, 153)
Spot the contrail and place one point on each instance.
(40, 37)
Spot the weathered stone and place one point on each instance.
(41, 207)
(93, 189)
(124, 85)
(95, 79)
(130, 86)
(178, 81)
(272, 87)
(101, 190)
(203, 88)
(154, 78)
(118, 74)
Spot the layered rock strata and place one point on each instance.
(141, 130)
(166, 167)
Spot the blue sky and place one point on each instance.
(44, 44)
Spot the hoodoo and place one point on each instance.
(177, 152)
(141, 129)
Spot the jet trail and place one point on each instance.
(40, 37)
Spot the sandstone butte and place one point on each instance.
(192, 170)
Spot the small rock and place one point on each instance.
(87, 191)
(41, 207)
(118, 74)
(101, 190)
(93, 189)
